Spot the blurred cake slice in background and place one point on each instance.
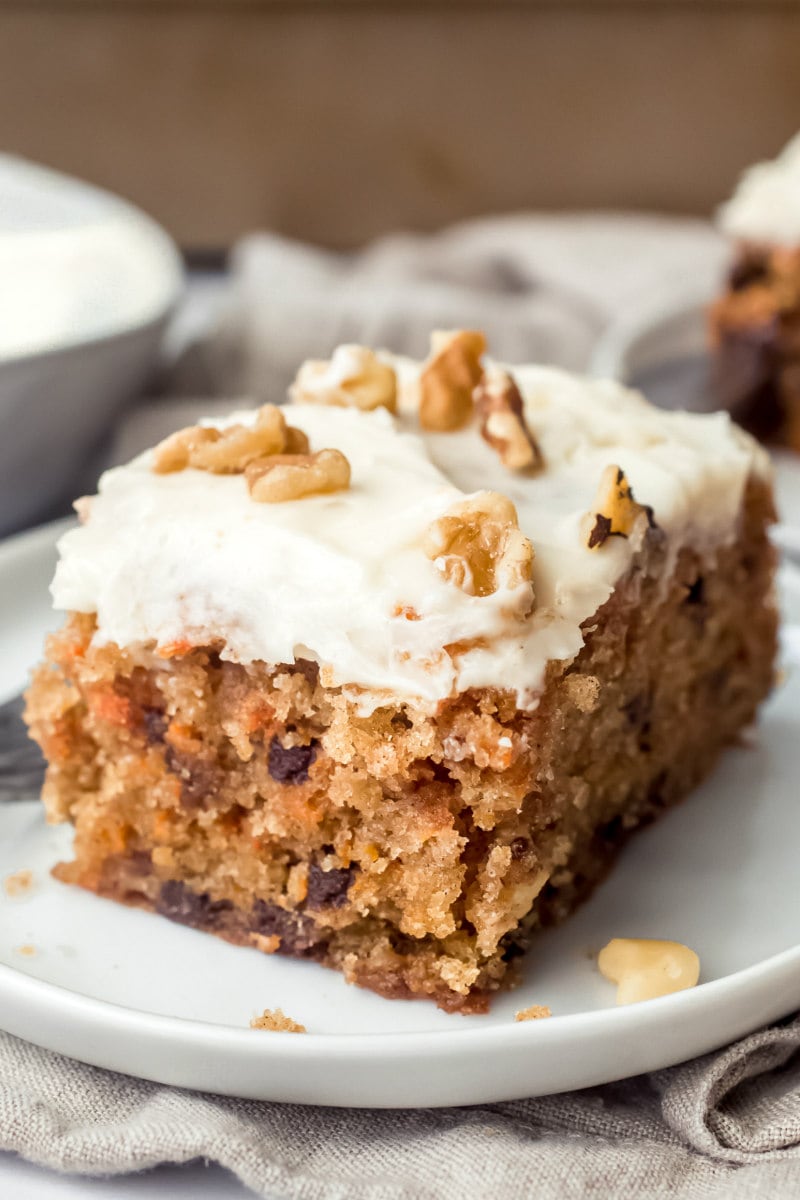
(755, 324)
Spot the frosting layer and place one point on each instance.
(344, 579)
(765, 207)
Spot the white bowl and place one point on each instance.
(88, 284)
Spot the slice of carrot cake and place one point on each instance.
(755, 323)
(384, 677)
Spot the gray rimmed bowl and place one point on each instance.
(89, 284)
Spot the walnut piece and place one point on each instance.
(500, 407)
(478, 546)
(644, 968)
(535, 1013)
(292, 476)
(230, 450)
(449, 378)
(616, 512)
(275, 1020)
(354, 378)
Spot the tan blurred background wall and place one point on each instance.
(337, 121)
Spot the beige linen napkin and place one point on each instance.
(542, 287)
(725, 1126)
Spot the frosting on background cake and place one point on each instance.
(189, 555)
(765, 207)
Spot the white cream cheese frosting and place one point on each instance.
(190, 555)
(765, 207)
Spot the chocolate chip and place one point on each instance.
(746, 270)
(696, 590)
(639, 711)
(601, 531)
(300, 937)
(290, 764)
(179, 903)
(200, 780)
(611, 832)
(518, 847)
(659, 792)
(744, 371)
(308, 669)
(328, 889)
(155, 725)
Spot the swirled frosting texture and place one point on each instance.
(190, 556)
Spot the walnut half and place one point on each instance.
(228, 451)
(449, 378)
(293, 476)
(354, 378)
(500, 407)
(616, 512)
(477, 545)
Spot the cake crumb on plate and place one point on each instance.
(18, 883)
(535, 1013)
(276, 1020)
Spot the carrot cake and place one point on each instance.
(384, 677)
(755, 324)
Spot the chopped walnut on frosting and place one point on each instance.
(292, 476)
(354, 378)
(449, 378)
(274, 457)
(616, 512)
(477, 545)
(228, 451)
(499, 405)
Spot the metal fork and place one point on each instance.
(21, 761)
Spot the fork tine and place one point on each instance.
(21, 762)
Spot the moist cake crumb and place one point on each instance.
(18, 883)
(535, 1013)
(277, 1021)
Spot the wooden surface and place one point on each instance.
(335, 122)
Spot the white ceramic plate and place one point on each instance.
(127, 990)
